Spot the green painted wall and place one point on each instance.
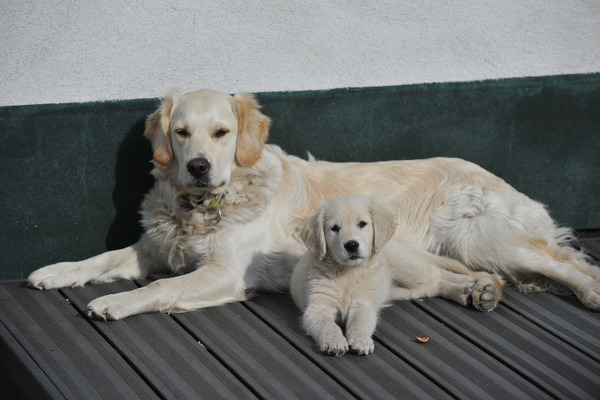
(72, 175)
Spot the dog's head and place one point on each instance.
(201, 136)
(349, 230)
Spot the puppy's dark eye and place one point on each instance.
(335, 228)
(362, 224)
(220, 133)
(182, 132)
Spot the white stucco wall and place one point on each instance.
(56, 51)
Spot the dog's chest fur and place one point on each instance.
(183, 238)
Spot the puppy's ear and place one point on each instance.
(384, 224)
(313, 236)
(157, 131)
(253, 129)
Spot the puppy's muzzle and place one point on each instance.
(199, 168)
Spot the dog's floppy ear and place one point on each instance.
(253, 129)
(157, 131)
(384, 224)
(313, 235)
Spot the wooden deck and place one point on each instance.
(533, 346)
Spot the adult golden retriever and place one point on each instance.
(226, 209)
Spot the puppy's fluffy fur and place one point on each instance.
(226, 209)
(353, 267)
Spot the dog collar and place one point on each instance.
(212, 211)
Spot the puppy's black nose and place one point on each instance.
(198, 167)
(351, 246)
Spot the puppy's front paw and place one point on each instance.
(57, 276)
(336, 345)
(361, 345)
(111, 307)
(335, 348)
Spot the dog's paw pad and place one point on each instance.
(485, 298)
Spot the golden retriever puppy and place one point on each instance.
(353, 267)
(226, 209)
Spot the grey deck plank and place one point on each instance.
(564, 317)
(451, 360)
(259, 356)
(163, 353)
(536, 354)
(72, 355)
(381, 375)
(20, 375)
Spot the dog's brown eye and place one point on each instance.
(335, 228)
(221, 132)
(362, 224)
(182, 132)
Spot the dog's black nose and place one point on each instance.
(198, 167)
(351, 246)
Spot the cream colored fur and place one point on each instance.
(445, 206)
(354, 267)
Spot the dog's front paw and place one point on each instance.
(55, 276)
(334, 346)
(361, 345)
(111, 307)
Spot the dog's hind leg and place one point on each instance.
(505, 232)
(482, 290)
(566, 267)
(418, 273)
(459, 292)
(129, 263)
(486, 293)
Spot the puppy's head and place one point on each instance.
(349, 230)
(199, 137)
